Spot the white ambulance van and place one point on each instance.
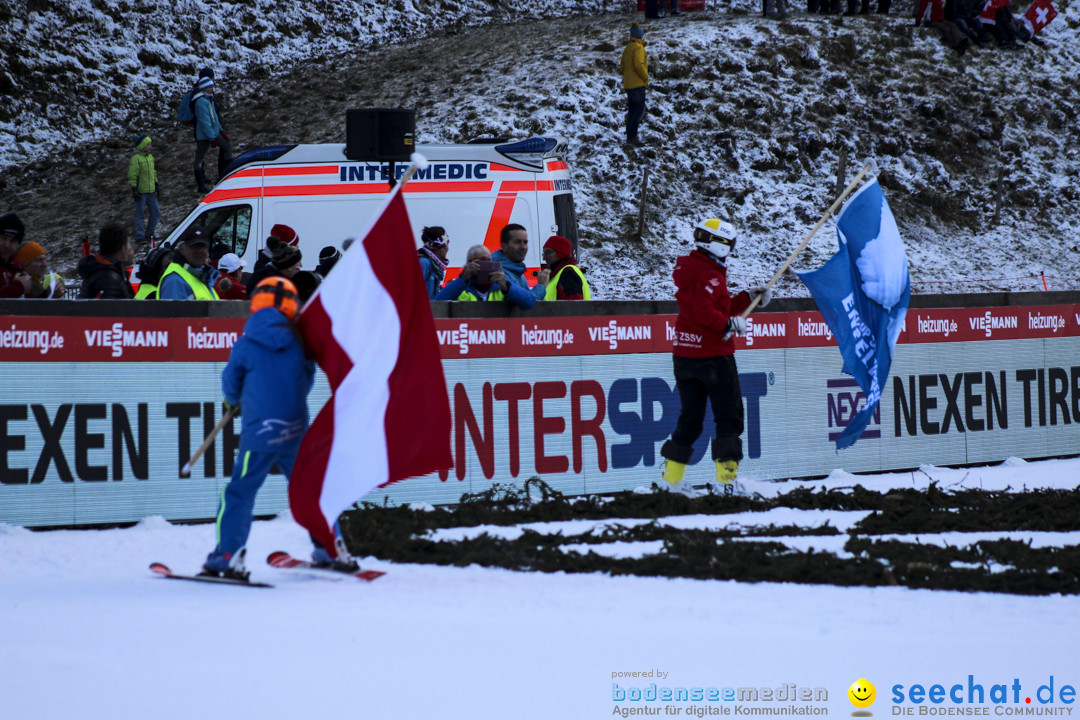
(472, 190)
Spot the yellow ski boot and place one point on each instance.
(726, 471)
(673, 472)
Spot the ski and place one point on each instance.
(164, 571)
(284, 561)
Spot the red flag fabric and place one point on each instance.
(989, 13)
(1039, 15)
(369, 327)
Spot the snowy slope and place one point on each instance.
(88, 632)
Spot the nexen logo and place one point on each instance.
(117, 338)
(464, 337)
(434, 171)
(613, 333)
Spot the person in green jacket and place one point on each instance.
(142, 177)
(634, 67)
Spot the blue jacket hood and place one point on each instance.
(270, 328)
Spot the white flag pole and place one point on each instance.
(870, 165)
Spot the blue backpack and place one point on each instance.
(184, 113)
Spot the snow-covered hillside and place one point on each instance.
(748, 118)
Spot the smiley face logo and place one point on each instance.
(862, 693)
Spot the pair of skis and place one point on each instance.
(279, 559)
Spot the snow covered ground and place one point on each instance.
(87, 632)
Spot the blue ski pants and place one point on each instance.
(238, 497)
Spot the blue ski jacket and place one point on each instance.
(270, 376)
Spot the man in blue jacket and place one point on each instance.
(207, 131)
(479, 282)
(269, 376)
(514, 246)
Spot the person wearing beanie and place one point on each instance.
(634, 67)
(142, 177)
(283, 232)
(14, 280)
(43, 284)
(284, 262)
(436, 245)
(208, 130)
(328, 258)
(567, 279)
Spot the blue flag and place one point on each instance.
(863, 292)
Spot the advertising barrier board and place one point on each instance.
(100, 413)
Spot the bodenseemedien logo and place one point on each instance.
(862, 695)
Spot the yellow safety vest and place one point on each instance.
(202, 292)
(146, 292)
(553, 285)
(492, 296)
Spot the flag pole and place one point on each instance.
(870, 165)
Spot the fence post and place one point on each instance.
(641, 206)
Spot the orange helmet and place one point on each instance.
(278, 293)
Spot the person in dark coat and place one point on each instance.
(103, 273)
(14, 280)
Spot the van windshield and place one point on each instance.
(230, 225)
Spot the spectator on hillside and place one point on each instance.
(433, 258)
(103, 274)
(208, 130)
(482, 279)
(634, 67)
(189, 276)
(864, 7)
(230, 286)
(284, 262)
(965, 15)
(1003, 25)
(142, 177)
(513, 247)
(932, 14)
(14, 280)
(44, 285)
(328, 258)
(567, 279)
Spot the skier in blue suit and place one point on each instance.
(269, 376)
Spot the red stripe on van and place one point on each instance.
(233, 194)
(308, 170)
(557, 165)
(503, 168)
(545, 185)
(517, 186)
(500, 216)
(250, 172)
(475, 186)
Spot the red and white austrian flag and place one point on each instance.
(1039, 15)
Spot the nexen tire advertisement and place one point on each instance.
(101, 413)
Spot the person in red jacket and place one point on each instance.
(14, 280)
(704, 355)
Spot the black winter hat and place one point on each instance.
(12, 226)
(283, 255)
(329, 253)
(206, 72)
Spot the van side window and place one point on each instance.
(230, 225)
(566, 218)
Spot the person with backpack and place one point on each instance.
(151, 269)
(207, 131)
(142, 177)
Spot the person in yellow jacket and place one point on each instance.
(190, 276)
(634, 67)
(142, 177)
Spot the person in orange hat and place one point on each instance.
(567, 279)
(43, 284)
(268, 377)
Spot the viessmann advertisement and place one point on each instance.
(100, 413)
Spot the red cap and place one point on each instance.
(560, 245)
(286, 234)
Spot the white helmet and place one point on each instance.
(715, 236)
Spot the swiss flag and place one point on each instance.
(369, 327)
(1039, 15)
(989, 13)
